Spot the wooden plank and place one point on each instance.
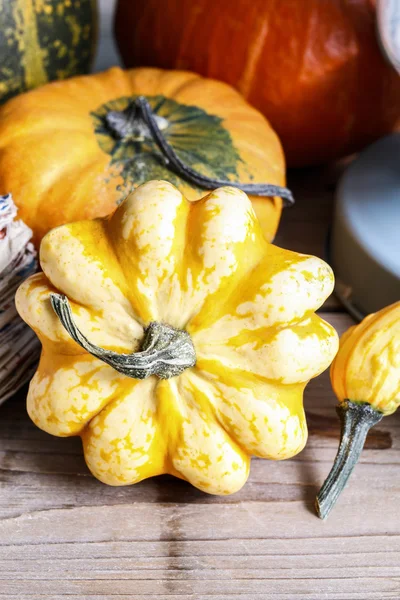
(63, 534)
(269, 588)
(295, 595)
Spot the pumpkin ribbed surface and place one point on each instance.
(312, 67)
(70, 150)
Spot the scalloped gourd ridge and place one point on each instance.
(203, 267)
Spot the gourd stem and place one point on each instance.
(125, 122)
(165, 351)
(356, 420)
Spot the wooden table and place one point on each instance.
(65, 535)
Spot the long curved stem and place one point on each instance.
(139, 114)
(356, 420)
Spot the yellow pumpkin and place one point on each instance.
(176, 339)
(365, 376)
(75, 149)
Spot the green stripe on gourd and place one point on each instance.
(43, 41)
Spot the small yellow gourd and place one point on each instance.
(365, 376)
(176, 339)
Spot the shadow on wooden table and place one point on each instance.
(31, 460)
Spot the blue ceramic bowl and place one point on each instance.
(365, 240)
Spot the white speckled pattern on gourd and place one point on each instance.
(202, 266)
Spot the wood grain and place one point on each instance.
(65, 535)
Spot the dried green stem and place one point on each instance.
(356, 420)
(165, 351)
(138, 119)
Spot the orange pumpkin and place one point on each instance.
(75, 149)
(313, 67)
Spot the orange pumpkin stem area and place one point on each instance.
(356, 420)
(139, 114)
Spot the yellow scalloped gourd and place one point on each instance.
(365, 376)
(203, 267)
